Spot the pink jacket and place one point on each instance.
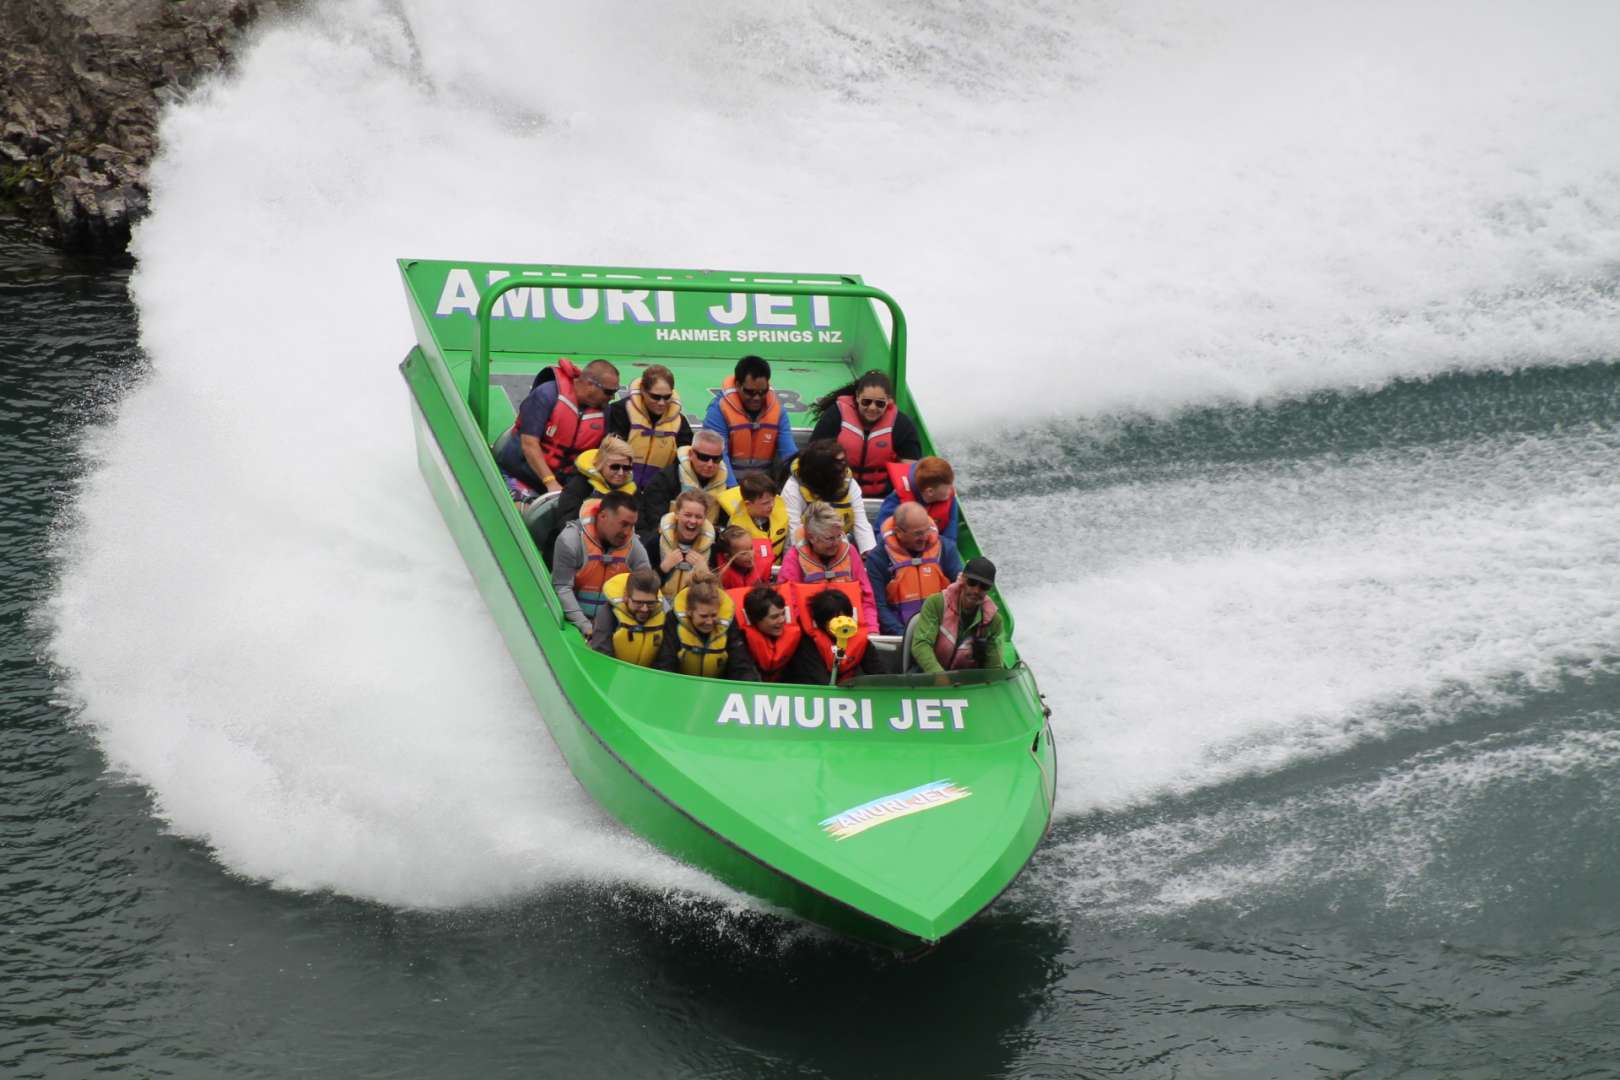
(792, 571)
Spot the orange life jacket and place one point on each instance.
(951, 653)
(770, 654)
(752, 441)
(913, 578)
(600, 564)
(854, 650)
(901, 474)
(868, 451)
(816, 576)
(569, 430)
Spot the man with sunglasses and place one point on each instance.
(695, 468)
(563, 416)
(751, 418)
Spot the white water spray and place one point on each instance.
(266, 621)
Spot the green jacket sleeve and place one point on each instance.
(922, 642)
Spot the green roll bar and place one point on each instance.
(478, 380)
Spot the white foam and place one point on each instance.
(1388, 836)
(266, 622)
(1230, 622)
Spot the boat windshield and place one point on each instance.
(921, 680)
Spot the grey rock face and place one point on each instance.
(81, 82)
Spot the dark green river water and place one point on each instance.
(1401, 863)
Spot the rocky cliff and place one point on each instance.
(81, 84)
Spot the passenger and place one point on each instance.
(960, 627)
(632, 625)
(824, 560)
(769, 627)
(589, 552)
(745, 561)
(755, 506)
(820, 475)
(695, 468)
(685, 538)
(604, 469)
(912, 564)
(817, 654)
(865, 420)
(750, 416)
(931, 482)
(651, 421)
(707, 640)
(560, 419)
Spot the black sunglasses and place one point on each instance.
(873, 403)
(616, 468)
(660, 398)
(701, 456)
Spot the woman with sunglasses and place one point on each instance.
(598, 471)
(650, 419)
(865, 421)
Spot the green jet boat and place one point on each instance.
(891, 809)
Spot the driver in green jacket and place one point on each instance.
(960, 627)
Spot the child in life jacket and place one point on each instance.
(822, 647)
(744, 560)
(930, 481)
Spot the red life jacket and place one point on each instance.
(854, 650)
(771, 654)
(569, 430)
(914, 578)
(816, 576)
(752, 441)
(951, 653)
(764, 556)
(868, 451)
(901, 474)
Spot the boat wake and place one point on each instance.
(1087, 215)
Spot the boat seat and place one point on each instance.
(538, 516)
(886, 646)
(907, 661)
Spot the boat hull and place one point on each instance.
(891, 810)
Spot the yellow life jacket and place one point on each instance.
(633, 642)
(691, 482)
(681, 576)
(652, 442)
(700, 655)
(843, 503)
(585, 464)
(776, 531)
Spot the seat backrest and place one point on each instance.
(540, 516)
(907, 661)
